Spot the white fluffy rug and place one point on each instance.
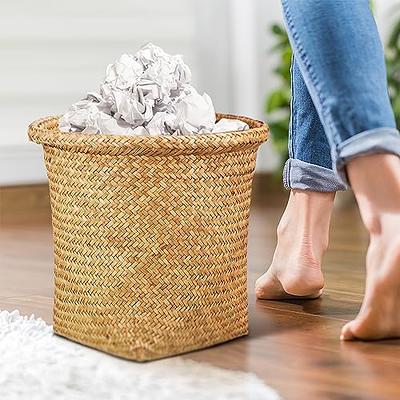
(37, 365)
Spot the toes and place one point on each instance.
(260, 285)
(268, 287)
(347, 332)
(259, 292)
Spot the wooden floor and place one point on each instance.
(292, 345)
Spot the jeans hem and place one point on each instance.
(374, 141)
(302, 175)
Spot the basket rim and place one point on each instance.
(45, 131)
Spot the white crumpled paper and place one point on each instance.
(148, 93)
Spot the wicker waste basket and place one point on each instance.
(150, 237)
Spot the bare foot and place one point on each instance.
(379, 316)
(378, 196)
(303, 232)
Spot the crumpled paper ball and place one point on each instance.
(148, 93)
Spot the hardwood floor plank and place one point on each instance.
(293, 345)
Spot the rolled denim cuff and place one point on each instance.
(302, 175)
(374, 141)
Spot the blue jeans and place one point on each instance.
(340, 106)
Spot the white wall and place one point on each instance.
(52, 52)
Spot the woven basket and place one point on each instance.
(150, 237)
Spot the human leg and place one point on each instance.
(304, 227)
(340, 57)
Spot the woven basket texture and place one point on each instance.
(150, 237)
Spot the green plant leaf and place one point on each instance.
(278, 30)
(393, 69)
(277, 99)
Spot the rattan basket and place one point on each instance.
(150, 237)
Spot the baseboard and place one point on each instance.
(21, 165)
(24, 203)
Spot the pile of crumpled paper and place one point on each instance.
(148, 93)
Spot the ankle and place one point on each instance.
(381, 224)
(372, 221)
(375, 180)
(306, 220)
